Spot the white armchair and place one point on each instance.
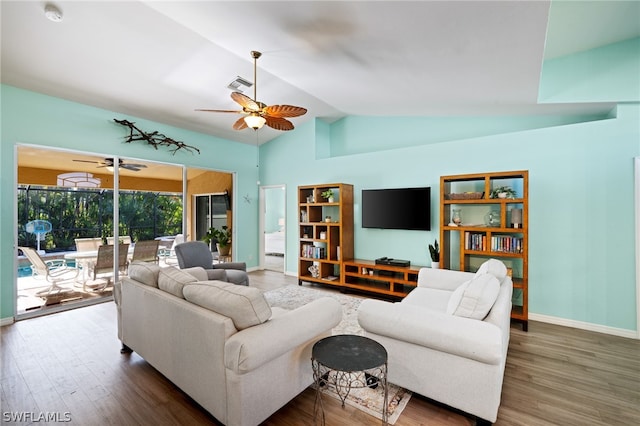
(448, 339)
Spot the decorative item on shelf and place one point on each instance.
(434, 252)
(328, 195)
(492, 219)
(327, 219)
(503, 192)
(310, 199)
(464, 196)
(456, 219)
(314, 270)
(323, 235)
(516, 218)
(222, 237)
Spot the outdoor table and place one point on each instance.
(84, 259)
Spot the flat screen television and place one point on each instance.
(401, 208)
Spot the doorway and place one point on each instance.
(273, 227)
(210, 212)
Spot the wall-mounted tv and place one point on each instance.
(402, 208)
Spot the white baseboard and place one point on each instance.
(6, 321)
(621, 332)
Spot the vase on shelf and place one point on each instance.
(492, 219)
(435, 265)
(456, 218)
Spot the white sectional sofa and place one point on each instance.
(219, 342)
(448, 338)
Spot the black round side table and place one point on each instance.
(346, 362)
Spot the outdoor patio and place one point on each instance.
(28, 301)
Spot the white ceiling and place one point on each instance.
(161, 60)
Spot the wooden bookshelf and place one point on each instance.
(325, 232)
(486, 229)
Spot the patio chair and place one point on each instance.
(170, 255)
(88, 244)
(104, 263)
(54, 271)
(124, 239)
(146, 251)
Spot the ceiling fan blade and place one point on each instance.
(246, 102)
(221, 110)
(132, 167)
(285, 111)
(278, 123)
(87, 161)
(240, 124)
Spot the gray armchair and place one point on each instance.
(197, 253)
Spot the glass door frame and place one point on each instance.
(116, 223)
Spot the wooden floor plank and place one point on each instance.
(70, 362)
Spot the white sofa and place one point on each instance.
(441, 343)
(221, 343)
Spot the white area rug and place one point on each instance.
(368, 400)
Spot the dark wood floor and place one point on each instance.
(68, 364)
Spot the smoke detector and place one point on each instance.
(53, 13)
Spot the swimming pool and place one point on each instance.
(26, 271)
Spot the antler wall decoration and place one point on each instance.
(154, 139)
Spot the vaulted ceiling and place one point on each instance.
(161, 60)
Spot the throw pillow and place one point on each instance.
(144, 272)
(477, 297)
(173, 280)
(456, 297)
(198, 272)
(493, 267)
(216, 275)
(246, 306)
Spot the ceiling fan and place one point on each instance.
(109, 162)
(257, 114)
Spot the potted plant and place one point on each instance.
(503, 192)
(328, 195)
(222, 237)
(434, 251)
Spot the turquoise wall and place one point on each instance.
(274, 208)
(582, 246)
(33, 118)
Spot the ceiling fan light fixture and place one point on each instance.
(78, 180)
(255, 121)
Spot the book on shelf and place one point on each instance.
(506, 244)
(477, 241)
(313, 252)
